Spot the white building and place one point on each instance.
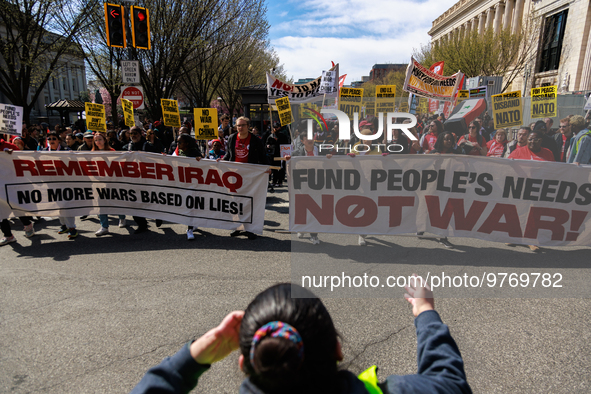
(563, 55)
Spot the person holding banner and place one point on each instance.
(429, 139)
(153, 143)
(244, 147)
(563, 139)
(497, 146)
(533, 150)
(473, 143)
(100, 144)
(580, 145)
(518, 142)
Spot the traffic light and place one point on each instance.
(140, 27)
(115, 23)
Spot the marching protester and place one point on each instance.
(273, 143)
(580, 145)
(429, 139)
(68, 223)
(533, 150)
(289, 344)
(446, 143)
(547, 141)
(498, 145)
(562, 140)
(71, 142)
(518, 142)
(216, 151)
(100, 144)
(244, 147)
(473, 143)
(187, 147)
(153, 143)
(88, 141)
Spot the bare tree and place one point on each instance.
(36, 37)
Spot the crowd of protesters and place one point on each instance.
(569, 143)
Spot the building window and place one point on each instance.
(554, 29)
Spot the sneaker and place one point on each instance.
(122, 222)
(63, 229)
(102, 231)
(72, 233)
(250, 235)
(190, 235)
(300, 235)
(158, 222)
(361, 241)
(29, 231)
(7, 240)
(140, 230)
(533, 248)
(235, 233)
(315, 240)
(446, 243)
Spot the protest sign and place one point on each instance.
(329, 82)
(350, 101)
(285, 150)
(95, 117)
(507, 109)
(463, 95)
(423, 82)
(516, 201)
(385, 98)
(222, 195)
(206, 123)
(433, 105)
(11, 119)
(170, 113)
(544, 102)
(284, 110)
(297, 94)
(128, 112)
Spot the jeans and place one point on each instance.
(104, 219)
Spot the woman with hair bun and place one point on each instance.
(290, 345)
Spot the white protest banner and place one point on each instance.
(423, 82)
(329, 82)
(11, 119)
(178, 189)
(297, 94)
(515, 201)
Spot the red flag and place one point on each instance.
(332, 63)
(342, 80)
(437, 68)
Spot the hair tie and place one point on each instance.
(277, 329)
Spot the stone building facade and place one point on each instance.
(563, 55)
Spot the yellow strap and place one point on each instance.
(369, 377)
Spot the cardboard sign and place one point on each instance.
(285, 150)
(128, 112)
(95, 117)
(350, 101)
(544, 102)
(206, 123)
(11, 119)
(463, 95)
(385, 98)
(170, 113)
(507, 109)
(328, 83)
(284, 110)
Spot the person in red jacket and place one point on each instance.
(533, 150)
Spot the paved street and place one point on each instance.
(91, 315)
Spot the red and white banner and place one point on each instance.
(516, 201)
(437, 68)
(177, 189)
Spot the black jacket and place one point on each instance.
(256, 153)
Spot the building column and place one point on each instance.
(490, 15)
(481, 23)
(70, 87)
(517, 15)
(586, 72)
(499, 11)
(508, 13)
(468, 28)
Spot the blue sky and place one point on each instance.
(308, 34)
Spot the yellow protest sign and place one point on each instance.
(350, 101)
(284, 110)
(95, 117)
(385, 98)
(206, 123)
(544, 102)
(463, 95)
(507, 109)
(128, 112)
(404, 106)
(369, 105)
(170, 113)
(307, 114)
